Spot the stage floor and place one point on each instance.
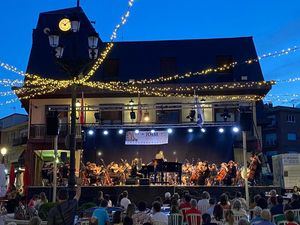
(149, 193)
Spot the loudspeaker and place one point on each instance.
(246, 121)
(52, 124)
(131, 181)
(144, 181)
(63, 156)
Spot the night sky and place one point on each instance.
(274, 24)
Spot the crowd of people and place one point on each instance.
(228, 209)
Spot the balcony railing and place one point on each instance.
(39, 131)
(19, 141)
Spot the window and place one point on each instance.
(271, 120)
(292, 136)
(111, 69)
(111, 114)
(168, 113)
(224, 60)
(168, 66)
(271, 139)
(291, 118)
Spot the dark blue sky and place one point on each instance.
(274, 24)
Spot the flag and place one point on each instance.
(139, 112)
(82, 117)
(200, 116)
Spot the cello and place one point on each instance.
(107, 179)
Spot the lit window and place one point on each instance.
(292, 136)
(291, 119)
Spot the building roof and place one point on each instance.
(13, 120)
(282, 109)
(142, 59)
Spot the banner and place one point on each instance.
(146, 138)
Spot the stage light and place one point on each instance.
(131, 102)
(235, 129)
(91, 132)
(78, 104)
(121, 131)
(136, 131)
(170, 131)
(221, 130)
(105, 132)
(99, 153)
(152, 131)
(203, 130)
(190, 130)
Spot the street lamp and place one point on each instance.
(72, 69)
(3, 153)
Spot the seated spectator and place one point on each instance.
(42, 200)
(237, 209)
(193, 210)
(273, 195)
(186, 202)
(99, 198)
(266, 218)
(158, 199)
(35, 221)
(224, 201)
(279, 207)
(212, 203)
(141, 216)
(262, 202)
(130, 210)
(206, 219)
(174, 208)
(167, 200)
(109, 202)
(127, 221)
(243, 221)
(272, 201)
(100, 214)
(290, 217)
(294, 204)
(203, 203)
(157, 216)
(125, 201)
(33, 201)
(229, 217)
(256, 215)
(254, 202)
(217, 214)
(238, 195)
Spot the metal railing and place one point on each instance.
(39, 131)
(19, 141)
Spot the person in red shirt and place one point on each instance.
(289, 215)
(185, 205)
(193, 210)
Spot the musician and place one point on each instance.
(134, 169)
(157, 162)
(160, 156)
(231, 174)
(255, 169)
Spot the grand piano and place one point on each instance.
(162, 167)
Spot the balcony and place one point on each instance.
(19, 141)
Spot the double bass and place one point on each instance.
(253, 167)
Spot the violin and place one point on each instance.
(222, 174)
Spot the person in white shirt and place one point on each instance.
(158, 217)
(125, 201)
(203, 204)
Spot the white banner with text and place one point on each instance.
(146, 138)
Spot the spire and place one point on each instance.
(78, 3)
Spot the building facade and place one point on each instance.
(222, 93)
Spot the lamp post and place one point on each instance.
(3, 153)
(72, 68)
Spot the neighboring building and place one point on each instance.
(281, 133)
(14, 135)
(135, 61)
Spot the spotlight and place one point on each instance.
(235, 129)
(131, 102)
(91, 132)
(121, 131)
(105, 132)
(190, 130)
(170, 131)
(221, 130)
(146, 116)
(99, 153)
(152, 131)
(203, 130)
(78, 104)
(136, 131)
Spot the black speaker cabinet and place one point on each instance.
(131, 181)
(144, 181)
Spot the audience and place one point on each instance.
(212, 203)
(174, 208)
(206, 219)
(109, 202)
(237, 209)
(238, 195)
(294, 204)
(218, 214)
(33, 201)
(186, 202)
(42, 200)
(290, 217)
(266, 218)
(203, 203)
(256, 215)
(35, 221)
(167, 200)
(278, 208)
(193, 210)
(130, 210)
(224, 201)
(229, 217)
(142, 215)
(157, 216)
(262, 202)
(125, 201)
(100, 214)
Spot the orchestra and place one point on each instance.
(191, 173)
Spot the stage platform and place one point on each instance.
(148, 193)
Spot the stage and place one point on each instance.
(148, 193)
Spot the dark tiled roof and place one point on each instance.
(139, 60)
